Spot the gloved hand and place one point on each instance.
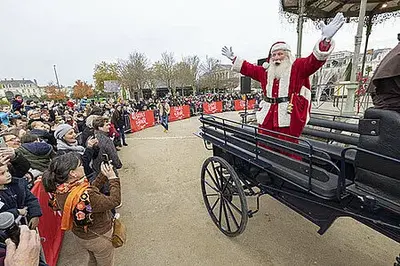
(328, 31)
(228, 53)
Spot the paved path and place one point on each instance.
(169, 225)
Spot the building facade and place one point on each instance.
(25, 87)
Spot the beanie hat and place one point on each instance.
(62, 130)
(275, 47)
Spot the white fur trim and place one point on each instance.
(262, 113)
(237, 65)
(283, 91)
(306, 93)
(321, 55)
(280, 46)
(283, 115)
(265, 65)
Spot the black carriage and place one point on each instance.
(336, 169)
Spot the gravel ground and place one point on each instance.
(169, 225)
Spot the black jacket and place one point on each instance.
(44, 135)
(16, 195)
(19, 165)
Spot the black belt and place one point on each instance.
(276, 100)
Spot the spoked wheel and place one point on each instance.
(224, 196)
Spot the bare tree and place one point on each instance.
(152, 81)
(194, 65)
(209, 78)
(165, 70)
(133, 72)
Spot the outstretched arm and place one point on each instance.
(242, 66)
(323, 48)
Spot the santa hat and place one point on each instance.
(275, 47)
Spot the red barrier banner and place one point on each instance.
(179, 112)
(142, 120)
(212, 108)
(49, 226)
(240, 104)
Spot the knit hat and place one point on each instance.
(62, 130)
(275, 47)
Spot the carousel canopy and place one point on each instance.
(320, 9)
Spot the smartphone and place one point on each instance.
(106, 160)
(2, 143)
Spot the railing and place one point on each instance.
(211, 124)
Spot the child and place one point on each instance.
(16, 198)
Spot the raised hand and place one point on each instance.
(228, 53)
(328, 31)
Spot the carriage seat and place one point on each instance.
(379, 133)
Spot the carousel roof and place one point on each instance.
(319, 9)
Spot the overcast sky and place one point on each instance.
(77, 34)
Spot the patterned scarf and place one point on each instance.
(75, 192)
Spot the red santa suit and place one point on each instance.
(293, 86)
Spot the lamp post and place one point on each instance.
(55, 73)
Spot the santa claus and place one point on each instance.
(285, 82)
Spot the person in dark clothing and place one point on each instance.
(16, 198)
(385, 83)
(80, 122)
(105, 144)
(38, 153)
(38, 129)
(66, 143)
(17, 104)
(18, 166)
(118, 120)
(88, 130)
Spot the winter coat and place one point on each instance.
(19, 165)
(100, 204)
(106, 146)
(38, 154)
(16, 105)
(44, 135)
(16, 195)
(118, 119)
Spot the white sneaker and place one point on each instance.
(116, 215)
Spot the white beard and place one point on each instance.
(277, 71)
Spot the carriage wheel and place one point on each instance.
(224, 196)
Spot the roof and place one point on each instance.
(17, 82)
(316, 9)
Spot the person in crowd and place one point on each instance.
(118, 120)
(38, 153)
(18, 104)
(38, 128)
(16, 198)
(164, 111)
(385, 83)
(28, 251)
(66, 143)
(86, 211)
(101, 127)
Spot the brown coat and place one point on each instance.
(385, 83)
(101, 206)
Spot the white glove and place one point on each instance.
(228, 53)
(328, 31)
